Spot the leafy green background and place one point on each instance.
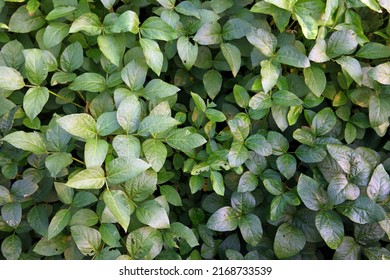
(219, 129)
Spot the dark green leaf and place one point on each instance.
(349, 249)
(171, 195)
(212, 81)
(287, 165)
(157, 89)
(285, 98)
(92, 82)
(72, 57)
(184, 140)
(259, 144)
(36, 67)
(134, 74)
(233, 56)
(22, 22)
(323, 122)
(34, 101)
(53, 247)
(251, 229)
(315, 79)
(54, 34)
(224, 219)
(312, 195)
(331, 228)
(374, 50)
(293, 57)
(11, 213)
(11, 247)
(362, 210)
(289, 241)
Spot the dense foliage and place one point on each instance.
(222, 129)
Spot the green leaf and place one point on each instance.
(88, 23)
(127, 146)
(373, 5)
(155, 153)
(315, 80)
(28, 141)
(144, 243)
(10, 79)
(187, 51)
(34, 101)
(241, 96)
(212, 81)
(378, 113)
(240, 127)
(318, 52)
(53, 247)
(349, 133)
(143, 186)
(57, 138)
(22, 22)
(11, 247)
(340, 189)
(373, 50)
(224, 219)
(362, 210)
(217, 182)
(83, 198)
(95, 152)
(273, 186)
(64, 193)
(180, 230)
(308, 24)
(36, 67)
(341, 42)
(110, 235)
(120, 170)
(251, 229)
(331, 228)
(151, 213)
(270, 72)
(284, 4)
(287, 165)
(157, 89)
(156, 124)
(352, 67)
(134, 74)
(126, 22)
(209, 34)
(238, 154)
(378, 188)
(72, 57)
(119, 205)
(285, 98)
(323, 122)
(80, 125)
(84, 217)
(278, 143)
(107, 123)
(113, 47)
(233, 56)
(215, 115)
(24, 188)
(156, 29)
(171, 195)
(59, 12)
(248, 182)
(5, 195)
(313, 196)
(56, 162)
(349, 249)
(153, 55)
(60, 220)
(263, 40)
(90, 178)
(54, 34)
(235, 28)
(87, 239)
(184, 140)
(129, 114)
(380, 73)
(219, 6)
(11, 213)
(169, 4)
(293, 57)
(289, 241)
(260, 101)
(92, 82)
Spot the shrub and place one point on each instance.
(171, 129)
